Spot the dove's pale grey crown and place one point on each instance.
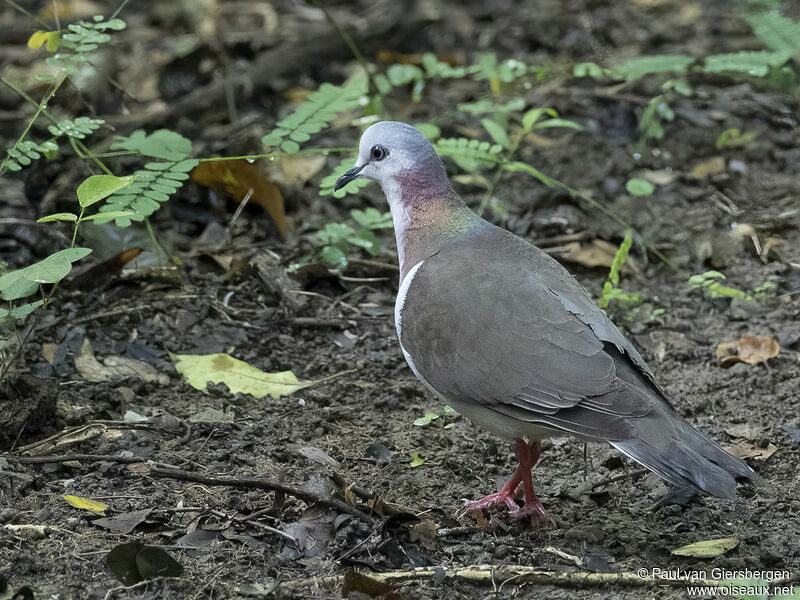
(504, 334)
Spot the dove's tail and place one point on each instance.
(667, 444)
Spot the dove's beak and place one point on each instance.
(347, 177)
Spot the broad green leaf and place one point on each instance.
(24, 282)
(240, 377)
(637, 186)
(588, 69)
(20, 312)
(59, 217)
(86, 504)
(98, 187)
(708, 548)
(497, 133)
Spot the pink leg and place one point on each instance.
(527, 455)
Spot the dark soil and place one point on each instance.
(357, 429)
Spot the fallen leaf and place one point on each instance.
(708, 548)
(424, 533)
(124, 523)
(114, 367)
(93, 506)
(752, 450)
(49, 351)
(748, 349)
(240, 377)
(597, 253)
(239, 178)
(295, 169)
(707, 168)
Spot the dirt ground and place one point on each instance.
(351, 439)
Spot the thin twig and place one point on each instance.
(262, 484)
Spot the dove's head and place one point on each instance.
(398, 156)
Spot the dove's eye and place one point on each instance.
(378, 153)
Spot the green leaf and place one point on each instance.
(530, 118)
(104, 217)
(416, 460)
(333, 233)
(21, 311)
(777, 32)
(558, 123)
(639, 187)
(497, 133)
(429, 130)
(327, 183)
(98, 187)
(59, 217)
(427, 419)
(400, 74)
(757, 64)
(163, 143)
(200, 369)
(589, 69)
(333, 256)
(24, 282)
(636, 68)
(708, 548)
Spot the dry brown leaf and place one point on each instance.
(295, 170)
(748, 349)
(707, 168)
(597, 253)
(752, 450)
(237, 178)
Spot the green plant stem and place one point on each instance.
(39, 109)
(28, 14)
(309, 151)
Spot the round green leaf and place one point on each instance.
(639, 187)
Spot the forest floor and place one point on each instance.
(349, 441)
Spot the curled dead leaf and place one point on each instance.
(748, 349)
(239, 178)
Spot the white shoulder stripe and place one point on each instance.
(405, 284)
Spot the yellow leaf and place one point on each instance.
(86, 504)
(199, 369)
(708, 548)
(37, 39)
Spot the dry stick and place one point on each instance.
(519, 574)
(261, 484)
(169, 472)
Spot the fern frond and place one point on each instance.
(757, 64)
(636, 68)
(76, 128)
(321, 108)
(151, 186)
(157, 181)
(469, 154)
(778, 33)
(327, 183)
(23, 153)
(82, 38)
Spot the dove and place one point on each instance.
(501, 332)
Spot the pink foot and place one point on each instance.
(527, 455)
